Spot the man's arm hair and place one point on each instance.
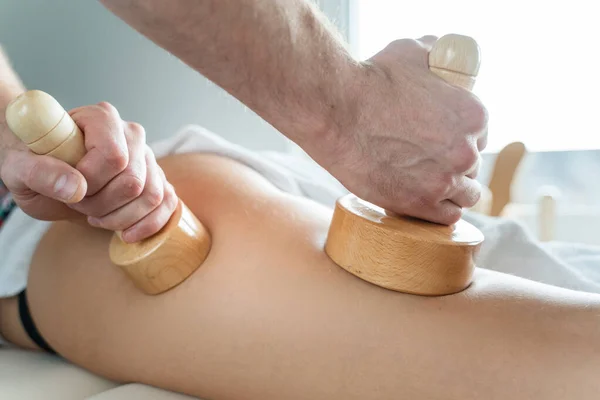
(281, 58)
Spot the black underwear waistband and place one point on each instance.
(29, 325)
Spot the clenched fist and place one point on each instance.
(117, 185)
(408, 141)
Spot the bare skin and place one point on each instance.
(116, 185)
(269, 316)
(390, 130)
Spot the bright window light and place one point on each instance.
(538, 76)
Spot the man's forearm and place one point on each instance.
(279, 57)
(10, 87)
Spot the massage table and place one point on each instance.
(27, 375)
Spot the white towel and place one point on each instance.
(510, 248)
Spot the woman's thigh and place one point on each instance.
(269, 316)
(245, 301)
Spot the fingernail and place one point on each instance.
(66, 187)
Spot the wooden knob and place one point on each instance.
(402, 253)
(456, 59)
(45, 127)
(155, 264)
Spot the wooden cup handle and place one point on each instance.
(456, 59)
(155, 264)
(45, 127)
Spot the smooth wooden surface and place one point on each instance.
(167, 258)
(156, 264)
(401, 253)
(456, 59)
(45, 127)
(497, 195)
(503, 174)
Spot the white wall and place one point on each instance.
(81, 54)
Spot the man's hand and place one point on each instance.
(411, 141)
(118, 184)
(389, 129)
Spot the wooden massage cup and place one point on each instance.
(155, 264)
(401, 253)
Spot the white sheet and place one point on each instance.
(510, 248)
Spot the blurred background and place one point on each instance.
(536, 80)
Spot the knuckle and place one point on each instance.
(154, 195)
(171, 199)
(107, 107)
(483, 140)
(403, 43)
(480, 116)
(116, 157)
(151, 159)
(135, 127)
(474, 171)
(132, 186)
(475, 115)
(37, 169)
(136, 130)
(466, 158)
